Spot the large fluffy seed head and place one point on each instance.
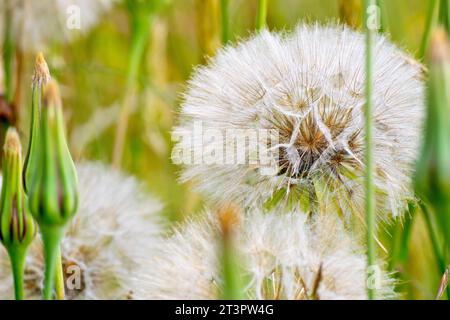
(38, 24)
(107, 244)
(285, 257)
(308, 89)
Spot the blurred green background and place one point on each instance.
(92, 71)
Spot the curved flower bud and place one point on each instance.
(17, 228)
(41, 77)
(52, 189)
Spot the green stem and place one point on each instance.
(442, 266)
(8, 57)
(51, 237)
(224, 20)
(369, 164)
(59, 276)
(429, 23)
(17, 257)
(232, 287)
(261, 16)
(140, 39)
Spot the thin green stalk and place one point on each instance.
(59, 276)
(434, 240)
(224, 21)
(261, 16)
(8, 54)
(430, 22)
(369, 164)
(232, 287)
(440, 260)
(51, 237)
(384, 23)
(17, 258)
(139, 42)
(231, 269)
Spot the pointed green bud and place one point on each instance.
(17, 227)
(432, 179)
(41, 77)
(52, 185)
(52, 192)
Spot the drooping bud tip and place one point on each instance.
(12, 142)
(41, 73)
(439, 46)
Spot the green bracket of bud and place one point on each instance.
(17, 228)
(40, 78)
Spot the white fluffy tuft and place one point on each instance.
(309, 86)
(283, 254)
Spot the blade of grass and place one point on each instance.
(430, 22)
(402, 235)
(432, 177)
(437, 252)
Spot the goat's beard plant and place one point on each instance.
(308, 87)
(284, 256)
(106, 246)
